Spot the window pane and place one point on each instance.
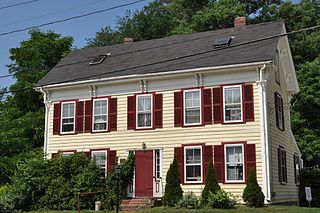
(100, 159)
(228, 95)
(235, 172)
(67, 124)
(144, 120)
(144, 103)
(193, 173)
(71, 109)
(189, 156)
(192, 115)
(234, 154)
(197, 156)
(233, 112)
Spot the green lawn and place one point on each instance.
(240, 209)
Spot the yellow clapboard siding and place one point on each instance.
(289, 191)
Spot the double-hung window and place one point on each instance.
(282, 161)
(234, 162)
(100, 115)
(193, 164)
(232, 104)
(192, 107)
(68, 117)
(100, 158)
(144, 111)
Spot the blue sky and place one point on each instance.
(79, 29)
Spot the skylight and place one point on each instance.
(222, 41)
(99, 59)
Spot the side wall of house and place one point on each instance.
(169, 136)
(280, 192)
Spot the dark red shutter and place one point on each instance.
(112, 158)
(178, 111)
(56, 118)
(158, 110)
(279, 165)
(281, 101)
(131, 115)
(217, 105)
(285, 166)
(88, 116)
(250, 158)
(113, 114)
(248, 102)
(207, 106)
(178, 153)
(218, 163)
(80, 113)
(276, 105)
(208, 156)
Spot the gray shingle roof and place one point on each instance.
(168, 54)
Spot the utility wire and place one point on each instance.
(49, 14)
(185, 56)
(18, 4)
(70, 18)
(6, 76)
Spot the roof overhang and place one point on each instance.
(152, 75)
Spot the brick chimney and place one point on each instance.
(128, 40)
(240, 21)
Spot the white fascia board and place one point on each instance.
(292, 69)
(151, 75)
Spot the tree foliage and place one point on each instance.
(22, 112)
(252, 193)
(173, 191)
(211, 184)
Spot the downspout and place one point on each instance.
(264, 133)
(46, 129)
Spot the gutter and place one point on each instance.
(150, 75)
(264, 133)
(46, 129)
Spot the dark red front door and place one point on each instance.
(144, 173)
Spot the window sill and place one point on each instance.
(144, 128)
(67, 133)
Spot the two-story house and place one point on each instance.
(220, 95)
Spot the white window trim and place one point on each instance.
(184, 107)
(224, 104)
(225, 163)
(144, 127)
(106, 163)
(107, 125)
(74, 117)
(185, 164)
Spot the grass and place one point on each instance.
(239, 209)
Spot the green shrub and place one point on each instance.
(173, 191)
(252, 194)
(189, 201)
(211, 184)
(52, 184)
(221, 200)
